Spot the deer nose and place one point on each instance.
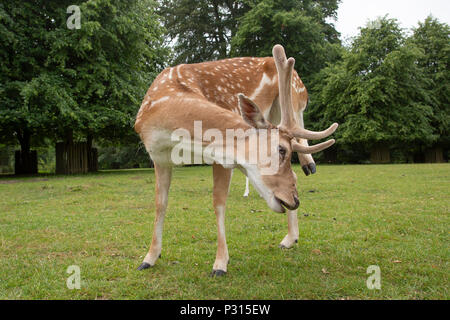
(297, 203)
(288, 206)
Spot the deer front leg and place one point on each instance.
(222, 178)
(292, 237)
(163, 178)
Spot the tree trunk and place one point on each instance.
(380, 154)
(92, 155)
(71, 158)
(25, 159)
(25, 162)
(75, 157)
(434, 155)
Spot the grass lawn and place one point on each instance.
(394, 216)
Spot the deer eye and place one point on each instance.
(282, 151)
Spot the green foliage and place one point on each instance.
(6, 159)
(201, 30)
(300, 26)
(214, 29)
(122, 157)
(86, 81)
(56, 83)
(433, 38)
(377, 92)
(22, 56)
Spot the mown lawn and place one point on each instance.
(395, 216)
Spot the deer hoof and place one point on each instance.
(306, 170)
(144, 266)
(218, 273)
(312, 168)
(284, 247)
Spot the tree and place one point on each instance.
(74, 85)
(302, 27)
(433, 38)
(377, 93)
(22, 57)
(201, 30)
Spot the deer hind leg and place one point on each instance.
(292, 237)
(247, 187)
(163, 178)
(222, 178)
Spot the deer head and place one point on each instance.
(279, 188)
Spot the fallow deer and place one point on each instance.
(224, 96)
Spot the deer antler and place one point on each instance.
(285, 68)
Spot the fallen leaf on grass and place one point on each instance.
(76, 188)
(324, 271)
(316, 251)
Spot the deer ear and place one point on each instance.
(251, 113)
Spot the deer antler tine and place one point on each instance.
(285, 68)
(313, 135)
(312, 149)
(278, 53)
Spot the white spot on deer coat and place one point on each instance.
(159, 101)
(265, 81)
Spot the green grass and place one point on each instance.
(393, 216)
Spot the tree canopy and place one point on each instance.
(377, 91)
(61, 84)
(433, 38)
(204, 30)
(88, 80)
(201, 30)
(302, 27)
